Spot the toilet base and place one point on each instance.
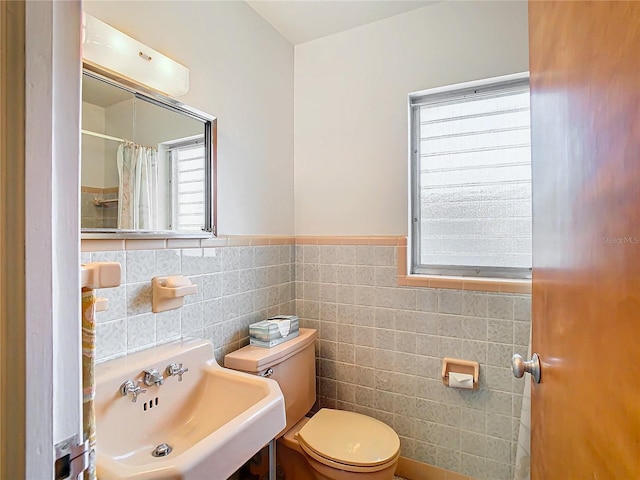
(297, 465)
(323, 472)
(293, 463)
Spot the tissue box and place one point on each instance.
(273, 331)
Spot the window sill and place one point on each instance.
(499, 285)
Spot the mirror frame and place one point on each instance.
(211, 141)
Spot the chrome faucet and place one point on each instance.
(129, 387)
(175, 369)
(152, 377)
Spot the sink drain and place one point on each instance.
(162, 450)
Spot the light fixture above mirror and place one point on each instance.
(113, 51)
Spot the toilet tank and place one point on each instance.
(294, 368)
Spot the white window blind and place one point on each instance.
(189, 203)
(472, 181)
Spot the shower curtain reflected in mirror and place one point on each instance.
(138, 187)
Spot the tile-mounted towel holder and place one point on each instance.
(100, 275)
(102, 304)
(456, 365)
(169, 292)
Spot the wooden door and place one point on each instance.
(585, 104)
(12, 288)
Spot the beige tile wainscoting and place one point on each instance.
(381, 347)
(381, 339)
(239, 282)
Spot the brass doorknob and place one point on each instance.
(520, 366)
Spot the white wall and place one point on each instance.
(118, 122)
(92, 171)
(241, 72)
(52, 232)
(351, 157)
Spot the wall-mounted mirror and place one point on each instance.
(148, 163)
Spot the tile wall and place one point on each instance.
(236, 286)
(381, 348)
(98, 216)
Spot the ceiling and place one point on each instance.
(301, 21)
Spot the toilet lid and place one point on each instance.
(349, 438)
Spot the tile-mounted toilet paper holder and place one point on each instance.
(456, 365)
(168, 293)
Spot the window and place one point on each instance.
(471, 179)
(188, 165)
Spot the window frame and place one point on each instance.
(436, 95)
(170, 149)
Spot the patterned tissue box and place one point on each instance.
(274, 331)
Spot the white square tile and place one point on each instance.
(141, 265)
(141, 331)
(192, 263)
(168, 262)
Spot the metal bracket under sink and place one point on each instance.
(72, 458)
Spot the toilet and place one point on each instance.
(330, 445)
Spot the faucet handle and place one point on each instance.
(129, 387)
(153, 377)
(176, 369)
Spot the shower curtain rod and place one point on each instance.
(101, 135)
(116, 139)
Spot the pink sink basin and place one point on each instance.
(214, 420)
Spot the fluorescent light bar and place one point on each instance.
(109, 48)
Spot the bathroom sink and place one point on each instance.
(212, 421)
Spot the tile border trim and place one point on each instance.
(110, 245)
(403, 278)
(98, 190)
(388, 240)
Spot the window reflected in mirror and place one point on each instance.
(146, 166)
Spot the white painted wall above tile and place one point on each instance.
(351, 152)
(241, 72)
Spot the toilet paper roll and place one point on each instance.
(460, 380)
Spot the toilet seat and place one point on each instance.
(349, 441)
